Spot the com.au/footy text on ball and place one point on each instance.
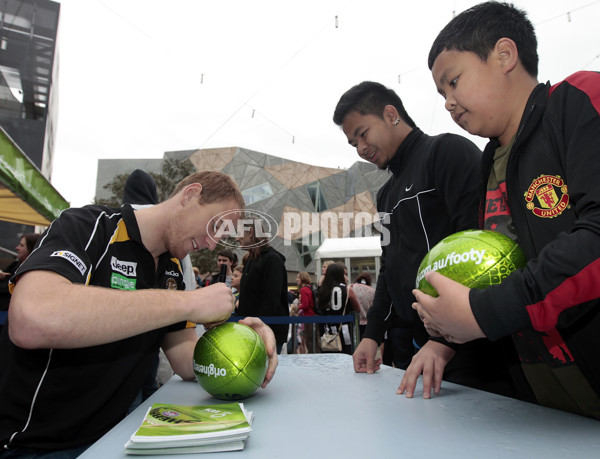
(230, 361)
(474, 258)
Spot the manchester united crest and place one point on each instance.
(547, 196)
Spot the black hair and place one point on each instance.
(369, 98)
(479, 28)
(30, 240)
(227, 254)
(334, 276)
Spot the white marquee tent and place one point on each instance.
(348, 248)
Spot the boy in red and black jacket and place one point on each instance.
(540, 187)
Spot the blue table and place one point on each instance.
(317, 406)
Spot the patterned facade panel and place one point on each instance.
(214, 159)
(179, 155)
(253, 157)
(253, 176)
(295, 174)
(341, 221)
(376, 179)
(334, 188)
(271, 160)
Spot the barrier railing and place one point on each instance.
(294, 321)
(313, 321)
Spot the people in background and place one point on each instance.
(263, 287)
(197, 277)
(306, 308)
(364, 294)
(335, 299)
(236, 277)
(226, 258)
(24, 248)
(323, 269)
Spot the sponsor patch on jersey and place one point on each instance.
(547, 196)
(171, 284)
(122, 282)
(127, 268)
(72, 258)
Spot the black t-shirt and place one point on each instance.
(263, 290)
(61, 398)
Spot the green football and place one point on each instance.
(230, 361)
(474, 258)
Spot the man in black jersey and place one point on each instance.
(94, 302)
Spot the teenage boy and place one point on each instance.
(431, 193)
(225, 257)
(540, 187)
(91, 306)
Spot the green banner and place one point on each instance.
(26, 196)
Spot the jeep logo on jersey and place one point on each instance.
(234, 223)
(127, 268)
(72, 258)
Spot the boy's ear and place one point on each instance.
(390, 113)
(507, 54)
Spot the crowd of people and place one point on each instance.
(331, 295)
(24, 248)
(97, 295)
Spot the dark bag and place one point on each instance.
(314, 291)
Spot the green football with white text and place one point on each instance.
(230, 361)
(474, 258)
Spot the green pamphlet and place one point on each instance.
(180, 429)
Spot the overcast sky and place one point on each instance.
(141, 77)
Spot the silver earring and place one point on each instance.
(395, 123)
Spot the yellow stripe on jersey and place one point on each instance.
(120, 234)
(178, 263)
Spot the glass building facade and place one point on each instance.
(28, 33)
(28, 72)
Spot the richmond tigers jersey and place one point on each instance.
(102, 246)
(61, 398)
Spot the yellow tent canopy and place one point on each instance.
(26, 196)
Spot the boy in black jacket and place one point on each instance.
(432, 192)
(540, 173)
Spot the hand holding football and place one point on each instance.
(474, 258)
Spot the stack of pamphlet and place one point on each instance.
(179, 429)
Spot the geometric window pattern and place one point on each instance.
(257, 193)
(307, 248)
(317, 196)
